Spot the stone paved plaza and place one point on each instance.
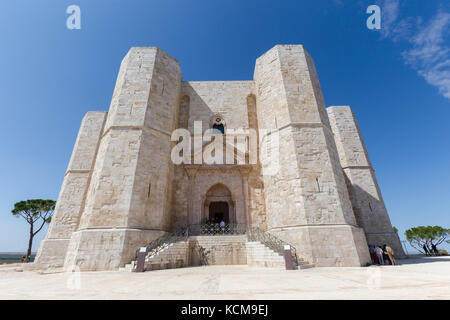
(415, 278)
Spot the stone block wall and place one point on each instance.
(225, 98)
(308, 197)
(72, 196)
(365, 194)
(219, 250)
(128, 200)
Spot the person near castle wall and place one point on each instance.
(390, 254)
(373, 254)
(385, 255)
(379, 253)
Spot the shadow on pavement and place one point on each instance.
(417, 259)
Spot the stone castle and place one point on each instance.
(122, 190)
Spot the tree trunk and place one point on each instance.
(30, 242)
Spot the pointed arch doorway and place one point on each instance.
(219, 205)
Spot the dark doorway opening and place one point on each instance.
(218, 211)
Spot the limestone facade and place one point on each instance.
(122, 189)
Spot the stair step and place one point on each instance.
(306, 265)
(174, 255)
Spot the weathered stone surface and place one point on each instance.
(368, 204)
(122, 190)
(227, 99)
(219, 250)
(71, 198)
(105, 249)
(309, 189)
(211, 250)
(133, 171)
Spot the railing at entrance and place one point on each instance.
(271, 241)
(212, 229)
(165, 240)
(253, 234)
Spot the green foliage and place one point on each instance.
(33, 210)
(37, 213)
(443, 252)
(395, 229)
(429, 235)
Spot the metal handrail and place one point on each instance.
(271, 241)
(253, 234)
(155, 245)
(214, 229)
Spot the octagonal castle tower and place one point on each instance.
(121, 189)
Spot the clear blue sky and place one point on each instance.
(397, 80)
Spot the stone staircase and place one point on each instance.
(258, 255)
(213, 250)
(218, 250)
(261, 256)
(167, 256)
(171, 256)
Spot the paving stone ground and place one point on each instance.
(415, 278)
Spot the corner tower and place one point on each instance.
(72, 196)
(128, 200)
(365, 195)
(307, 202)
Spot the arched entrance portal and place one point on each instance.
(219, 205)
(218, 211)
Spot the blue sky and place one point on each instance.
(397, 80)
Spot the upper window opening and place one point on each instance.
(218, 124)
(219, 127)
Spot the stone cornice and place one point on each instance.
(301, 125)
(76, 171)
(218, 166)
(157, 131)
(358, 167)
(334, 225)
